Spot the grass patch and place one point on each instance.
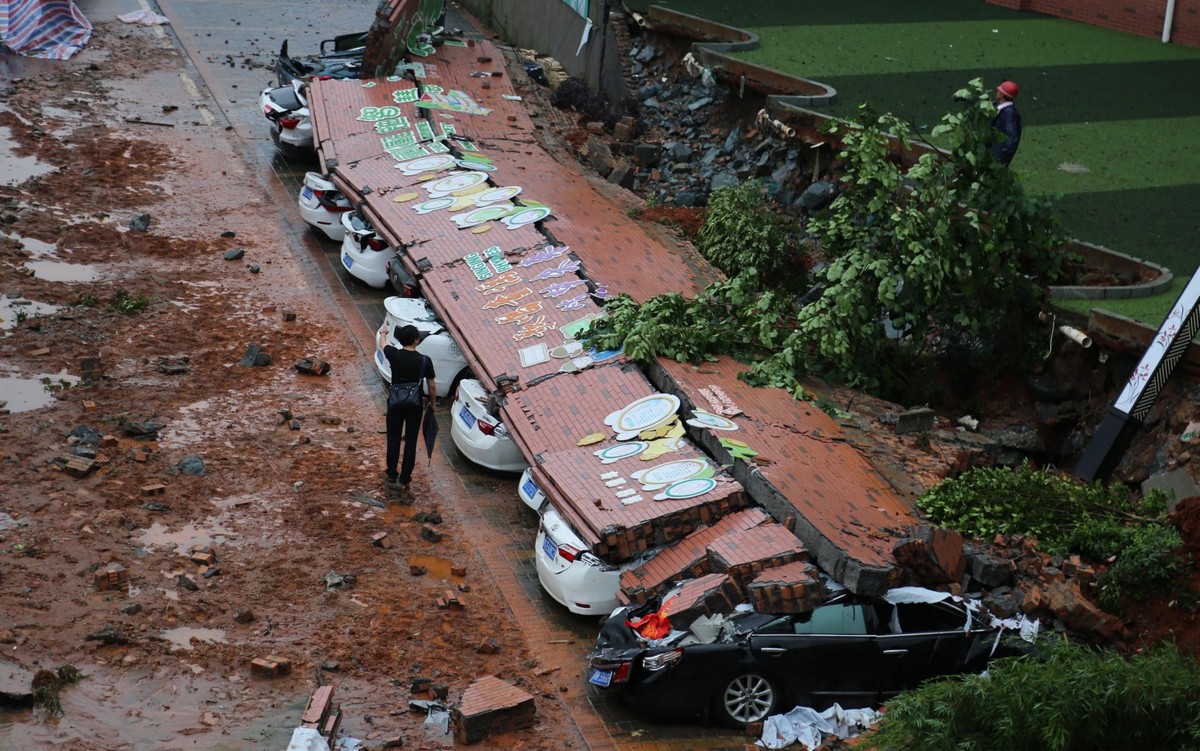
(48, 683)
(1149, 310)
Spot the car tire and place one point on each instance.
(748, 698)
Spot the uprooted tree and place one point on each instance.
(941, 259)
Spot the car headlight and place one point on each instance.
(657, 662)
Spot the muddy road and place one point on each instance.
(167, 515)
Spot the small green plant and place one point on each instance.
(1069, 696)
(126, 304)
(86, 300)
(22, 316)
(741, 232)
(48, 683)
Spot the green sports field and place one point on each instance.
(1111, 121)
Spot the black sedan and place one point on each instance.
(340, 57)
(852, 650)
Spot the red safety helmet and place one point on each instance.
(1008, 89)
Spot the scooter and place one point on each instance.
(286, 110)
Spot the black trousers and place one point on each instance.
(402, 424)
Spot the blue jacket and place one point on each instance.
(1008, 122)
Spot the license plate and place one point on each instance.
(529, 488)
(347, 261)
(466, 416)
(601, 678)
(549, 548)
(306, 193)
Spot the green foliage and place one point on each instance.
(87, 300)
(949, 248)
(127, 304)
(741, 233)
(1074, 698)
(48, 683)
(1066, 516)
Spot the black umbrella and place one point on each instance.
(429, 429)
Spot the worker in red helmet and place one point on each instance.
(1007, 121)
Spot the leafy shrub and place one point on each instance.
(741, 233)
(1073, 698)
(1066, 516)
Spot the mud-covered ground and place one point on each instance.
(281, 503)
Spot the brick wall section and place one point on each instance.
(743, 556)
(490, 705)
(793, 588)
(1140, 17)
(709, 595)
(687, 558)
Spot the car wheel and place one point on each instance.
(747, 698)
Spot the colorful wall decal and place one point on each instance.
(702, 419)
(641, 414)
(625, 493)
(607, 354)
(391, 124)
(564, 267)
(589, 439)
(601, 292)
(479, 216)
(510, 299)
(578, 302)
(576, 365)
(370, 85)
(535, 328)
(498, 283)
(405, 197)
(527, 215)
(664, 474)
(568, 350)
(631, 500)
(575, 328)
(406, 96)
(454, 182)
(480, 229)
(549, 253)
(534, 354)
(661, 447)
(521, 315)
(560, 288)
(371, 114)
(719, 401)
(678, 491)
(454, 101)
(494, 195)
(432, 163)
(433, 204)
(620, 451)
(615, 483)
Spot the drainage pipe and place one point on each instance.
(1077, 336)
(1168, 18)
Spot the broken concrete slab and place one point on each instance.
(16, 685)
(1176, 485)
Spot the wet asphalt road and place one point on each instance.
(233, 47)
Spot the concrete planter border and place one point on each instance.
(1096, 256)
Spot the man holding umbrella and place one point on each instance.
(408, 366)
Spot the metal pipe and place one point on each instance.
(1168, 19)
(1077, 336)
(640, 20)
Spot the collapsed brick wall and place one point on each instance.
(1140, 17)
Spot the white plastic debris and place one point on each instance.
(307, 739)
(805, 725)
(144, 17)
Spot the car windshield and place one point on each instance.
(360, 224)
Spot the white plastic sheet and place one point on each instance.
(307, 739)
(805, 725)
(144, 17)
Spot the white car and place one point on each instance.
(529, 492)
(365, 254)
(573, 576)
(286, 109)
(449, 365)
(322, 205)
(478, 433)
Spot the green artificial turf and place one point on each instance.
(1109, 117)
(1148, 310)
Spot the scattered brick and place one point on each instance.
(78, 466)
(186, 582)
(39, 352)
(458, 570)
(111, 576)
(202, 558)
(441, 691)
(318, 707)
(417, 685)
(155, 489)
(244, 616)
(89, 405)
(141, 454)
(793, 588)
(490, 705)
(289, 315)
(108, 441)
(381, 540)
(271, 666)
(416, 570)
(488, 646)
(932, 555)
(430, 534)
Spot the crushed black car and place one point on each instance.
(340, 57)
(742, 668)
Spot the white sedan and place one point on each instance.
(365, 253)
(478, 433)
(322, 205)
(449, 365)
(569, 572)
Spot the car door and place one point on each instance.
(822, 657)
(931, 640)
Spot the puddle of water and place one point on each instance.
(58, 271)
(185, 539)
(181, 638)
(17, 169)
(37, 248)
(13, 310)
(439, 568)
(28, 392)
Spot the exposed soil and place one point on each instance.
(280, 503)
